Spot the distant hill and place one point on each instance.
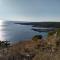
(42, 24)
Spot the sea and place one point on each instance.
(9, 31)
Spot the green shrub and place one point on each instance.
(36, 37)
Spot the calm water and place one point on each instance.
(15, 32)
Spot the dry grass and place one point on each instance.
(37, 49)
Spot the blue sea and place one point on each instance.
(16, 32)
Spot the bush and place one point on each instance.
(36, 37)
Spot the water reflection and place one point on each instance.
(15, 32)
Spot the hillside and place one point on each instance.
(42, 24)
(36, 49)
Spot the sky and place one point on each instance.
(30, 10)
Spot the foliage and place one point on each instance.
(58, 31)
(52, 32)
(36, 37)
(4, 44)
